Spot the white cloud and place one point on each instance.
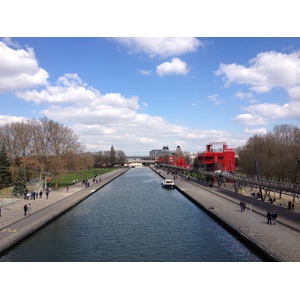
(11, 119)
(294, 93)
(260, 114)
(10, 42)
(260, 131)
(249, 119)
(161, 46)
(266, 71)
(19, 69)
(215, 98)
(145, 72)
(276, 111)
(176, 66)
(244, 96)
(70, 89)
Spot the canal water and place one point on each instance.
(132, 219)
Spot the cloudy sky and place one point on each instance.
(139, 94)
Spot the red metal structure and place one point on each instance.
(217, 160)
(173, 160)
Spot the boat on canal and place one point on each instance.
(168, 184)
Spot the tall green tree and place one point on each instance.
(20, 181)
(5, 174)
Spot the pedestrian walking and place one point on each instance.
(25, 209)
(269, 217)
(274, 217)
(41, 194)
(47, 194)
(243, 206)
(29, 208)
(289, 205)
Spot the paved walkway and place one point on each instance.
(14, 226)
(281, 242)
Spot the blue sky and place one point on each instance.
(139, 94)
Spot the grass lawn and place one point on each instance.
(67, 179)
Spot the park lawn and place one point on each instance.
(67, 179)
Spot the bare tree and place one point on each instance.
(120, 157)
(99, 159)
(40, 145)
(17, 138)
(57, 141)
(275, 153)
(79, 161)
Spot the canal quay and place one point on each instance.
(278, 242)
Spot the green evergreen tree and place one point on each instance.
(112, 156)
(20, 181)
(5, 174)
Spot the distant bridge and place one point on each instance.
(138, 161)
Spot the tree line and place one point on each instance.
(43, 147)
(273, 156)
(109, 158)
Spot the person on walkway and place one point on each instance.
(289, 205)
(47, 194)
(242, 205)
(274, 217)
(41, 194)
(25, 209)
(29, 208)
(269, 217)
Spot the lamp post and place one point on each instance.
(250, 218)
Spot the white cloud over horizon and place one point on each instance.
(111, 116)
(4, 119)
